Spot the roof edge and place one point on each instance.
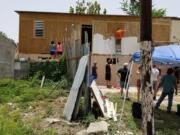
(63, 13)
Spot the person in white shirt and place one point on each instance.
(154, 79)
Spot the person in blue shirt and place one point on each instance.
(53, 50)
(169, 84)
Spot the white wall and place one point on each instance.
(102, 45)
(175, 31)
(129, 45)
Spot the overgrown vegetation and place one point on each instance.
(52, 70)
(165, 124)
(21, 96)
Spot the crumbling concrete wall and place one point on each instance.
(7, 55)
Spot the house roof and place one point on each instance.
(70, 14)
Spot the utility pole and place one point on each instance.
(146, 43)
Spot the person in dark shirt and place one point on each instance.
(123, 74)
(94, 71)
(108, 73)
(169, 84)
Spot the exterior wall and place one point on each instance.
(129, 45)
(101, 62)
(59, 26)
(7, 55)
(102, 45)
(175, 31)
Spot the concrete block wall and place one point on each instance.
(7, 55)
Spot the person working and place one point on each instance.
(168, 83)
(108, 73)
(123, 74)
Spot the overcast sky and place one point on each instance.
(9, 20)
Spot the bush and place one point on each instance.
(52, 70)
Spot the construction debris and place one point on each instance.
(73, 99)
(82, 132)
(98, 127)
(106, 106)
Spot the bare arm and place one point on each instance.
(118, 74)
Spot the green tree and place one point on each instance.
(93, 8)
(105, 11)
(80, 7)
(132, 7)
(83, 7)
(71, 9)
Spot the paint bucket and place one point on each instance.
(136, 110)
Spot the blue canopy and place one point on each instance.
(168, 55)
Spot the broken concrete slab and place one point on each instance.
(126, 133)
(82, 132)
(52, 120)
(98, 127)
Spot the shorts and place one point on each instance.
(52, 52)
(108, 77)
(123, 85)
(59, 53)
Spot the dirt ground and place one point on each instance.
(51, 109)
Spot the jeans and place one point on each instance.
(170, 99)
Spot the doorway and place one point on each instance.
(86, 35)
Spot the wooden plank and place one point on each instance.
(98, 96)
(42, 82)
(71, 103)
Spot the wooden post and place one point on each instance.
(146, 43)
(88, 90)
(42, 81)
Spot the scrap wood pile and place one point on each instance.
(107, 107)
(73, 103)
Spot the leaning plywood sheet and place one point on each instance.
(71, 102)
(98, 95)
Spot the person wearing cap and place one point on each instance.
(123, 74)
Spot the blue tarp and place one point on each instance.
(167, 55)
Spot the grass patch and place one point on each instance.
(22, 91)
(19, 97)
(165, 124)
